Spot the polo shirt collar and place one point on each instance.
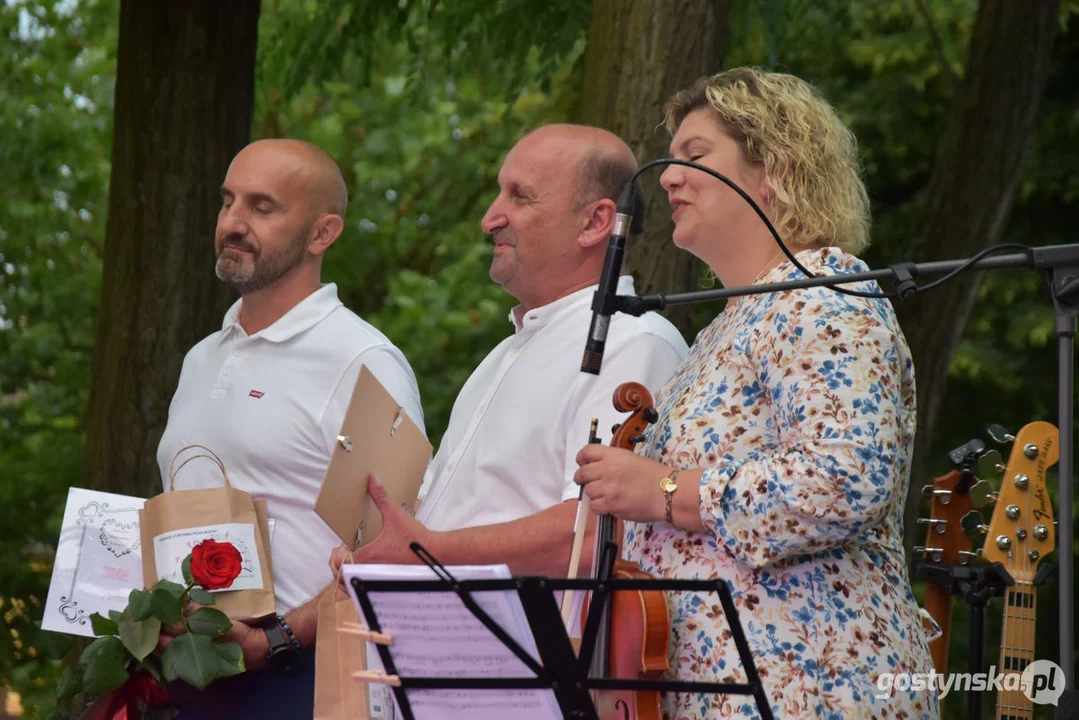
(536, 318)
(305, 314)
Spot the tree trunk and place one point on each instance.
(639, 54)
(184, 99)
(970, 195)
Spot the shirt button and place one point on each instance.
(481, 408)
(449, 468)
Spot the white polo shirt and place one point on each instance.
(271, 406)
(520, 419)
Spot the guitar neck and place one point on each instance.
(1016, 649)
(938, 603)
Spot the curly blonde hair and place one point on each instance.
(810, 157)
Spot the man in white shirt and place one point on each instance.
(500, 489)
(268, 393)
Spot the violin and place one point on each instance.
(635, 630)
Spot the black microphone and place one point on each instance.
(605, 302)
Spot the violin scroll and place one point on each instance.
(634, 398)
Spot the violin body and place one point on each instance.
(636, 647)
(635, 644)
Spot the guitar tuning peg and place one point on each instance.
(981, 494)
(934, 554)
(990, 464)
(972, 524)
(965, 454)
(929, 491)
(938, 525)
(1000, 434)
(966, 556)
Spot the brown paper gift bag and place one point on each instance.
(186, 509)
(337, 656)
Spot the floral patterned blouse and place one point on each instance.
(801, 407)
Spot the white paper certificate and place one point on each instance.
(98, 560)
(172, 547)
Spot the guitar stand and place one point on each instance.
(557, 668)
(975, 585)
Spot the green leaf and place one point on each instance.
(186, 569)
(103, 625)
(104, 664)
(208, 621)
(115, 615)
(166, 605)
(196, 660)
(200, 596)
(70, 682)
(232, 655)
(174, 589)
(139, 636)
(139, 604)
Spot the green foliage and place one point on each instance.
(420, 147)
(198, 660)
(209, 622)
(126, 643)
(57, 61)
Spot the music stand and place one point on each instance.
(558, 668)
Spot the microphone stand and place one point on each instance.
(1061, 265)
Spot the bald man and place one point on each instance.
(268, 393)
(500, 489)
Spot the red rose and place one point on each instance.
(215, 565)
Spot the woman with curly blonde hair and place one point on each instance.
(781, 457)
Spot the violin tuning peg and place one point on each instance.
(634, 439)
(999, 434)
(650, 414)
(614, 428)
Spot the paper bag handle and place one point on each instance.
(212, 456)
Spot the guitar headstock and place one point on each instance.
(1021, 531)
(953, 496)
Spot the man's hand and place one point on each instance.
(252, 641)
(399, 530)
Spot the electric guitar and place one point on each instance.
(1019, 536)
(952, 496)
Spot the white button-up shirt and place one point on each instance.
(271, 405)
(520, 419)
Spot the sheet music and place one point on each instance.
(435, 635)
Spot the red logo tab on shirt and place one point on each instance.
(255, 394)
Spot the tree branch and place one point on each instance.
(934, 38)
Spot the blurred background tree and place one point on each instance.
(418, 102)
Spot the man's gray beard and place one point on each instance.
(266, 269)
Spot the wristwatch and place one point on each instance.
(668, 485)
(284, 647)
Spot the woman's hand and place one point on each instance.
(621, 483)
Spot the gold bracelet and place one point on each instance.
(669, 485)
